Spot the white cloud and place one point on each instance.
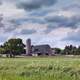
(10, 10)
(64, 13)
(35, 26)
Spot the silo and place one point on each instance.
(28, 47)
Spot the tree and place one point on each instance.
(78, 51)
(70, 50)
(2, 50)
(57, 50)
(14, 47)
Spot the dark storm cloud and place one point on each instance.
(0, 2)
(39, 13)
(26, 32)
(72, 7)
(7, 26)
(39, 21)
(50, 28)
(34, 4)
(1, 19)
(28, 20)
(73, 36)
(9, 29)
(66, 22)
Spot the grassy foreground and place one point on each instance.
(50, 68)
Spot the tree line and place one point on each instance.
(68, 50)
(14, 47)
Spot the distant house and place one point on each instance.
(37, 49)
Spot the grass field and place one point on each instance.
(49, 68)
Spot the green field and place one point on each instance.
(49, 68)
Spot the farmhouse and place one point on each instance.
(37, 49)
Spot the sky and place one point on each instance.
(53, 22)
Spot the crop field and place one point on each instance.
(37, 68)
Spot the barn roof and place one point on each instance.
(42, 46)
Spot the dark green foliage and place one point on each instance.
(71, 50)
(68, 50)
(57, 50)
(14, 47)
(2, 50)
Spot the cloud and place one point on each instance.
(9, 14)
(32, 26)
(73, 7)
(34, 4)
(7, 26)
(0, 3)
(2, 39)
(1, 19)
(62, 21)
(29, 20)
(27, 32)
(44, 21)
(10, 10)
(73, 36)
